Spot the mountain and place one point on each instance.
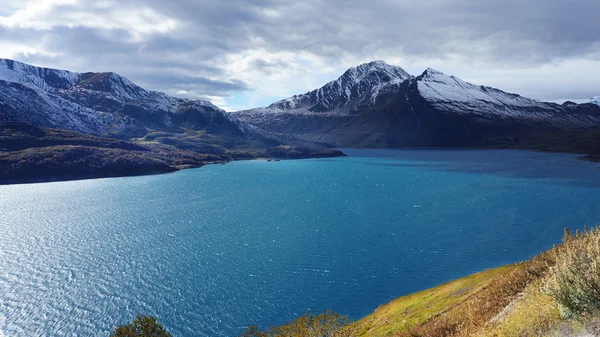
(432, 109)
(101, 104)
(67, 123)
(357, 86)
(595, 100)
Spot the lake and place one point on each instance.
(211, 250)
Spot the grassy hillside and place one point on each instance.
(557, 293)
(408, 312)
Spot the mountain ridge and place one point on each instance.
(342, 93)
(103, 104)
(51, 110)
(431, 109)
(371, 105)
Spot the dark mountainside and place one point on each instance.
(61, 125)
(379, 105)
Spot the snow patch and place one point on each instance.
(438, 87)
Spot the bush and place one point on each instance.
(575, 279)
(321, 325)
(142, 326)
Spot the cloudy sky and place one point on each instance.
(241, 54)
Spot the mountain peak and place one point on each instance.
(375, 65)
(378, 62)
(378, 68)
(99, 103)
(450, 93)
(358, 84)
(430, 72)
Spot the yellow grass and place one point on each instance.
(414, 309)
(533, 314)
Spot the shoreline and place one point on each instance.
(167, 170)
(172, 169)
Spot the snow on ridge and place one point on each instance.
(48, 80)
(595, 100)
(360, 72)
(430, 72)
(360, 83)
(123, 89)
(453, 95)
(62, 99)
(36, 78)
(438, 87)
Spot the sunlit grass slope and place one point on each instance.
(412, 310)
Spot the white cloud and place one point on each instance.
(105, 15)
(34, 14)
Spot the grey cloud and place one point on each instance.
(507, 33)
(269, 68)
(211, 87)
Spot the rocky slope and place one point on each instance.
(102, 104)
(357, 86)
(432, 109)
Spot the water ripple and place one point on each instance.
(212, 250)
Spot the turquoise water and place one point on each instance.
(211, 250)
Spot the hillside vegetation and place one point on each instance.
(30, 153)
(557, 293)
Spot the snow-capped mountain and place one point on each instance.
(358, 85)
(595, 100)
(373, 104)
(100, 103)
(450, 94)
(453, 94)
(432, 109)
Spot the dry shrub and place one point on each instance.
(310, 325)
(575, 279)
(142, 326)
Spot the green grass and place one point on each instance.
(411, 310)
